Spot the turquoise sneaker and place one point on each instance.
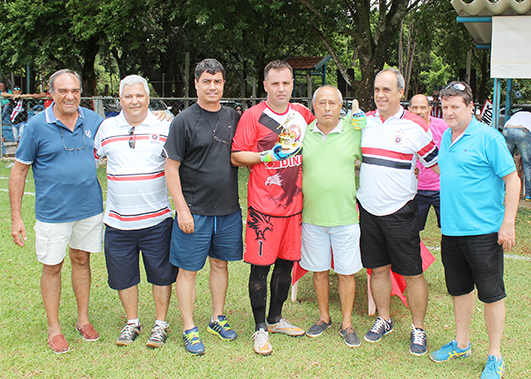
(494, 368)
(193, 342)
(450, 351)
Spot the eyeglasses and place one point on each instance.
(456, 86)
(74, 148)
(216, 138)
(17, 89)
(132, 138)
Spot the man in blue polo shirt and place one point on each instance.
(475, 164)
(58, 144)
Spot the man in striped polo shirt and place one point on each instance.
(138, 213)
(390, 144)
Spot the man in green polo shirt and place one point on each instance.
(329, 216)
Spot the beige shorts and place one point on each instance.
(51, 239)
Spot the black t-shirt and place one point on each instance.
(202, 141)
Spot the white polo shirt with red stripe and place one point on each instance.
(390, 149)
(137, 196)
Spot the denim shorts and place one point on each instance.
(218, 237)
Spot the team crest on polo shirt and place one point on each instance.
(88, 133)
(397, 137)
(154, 137)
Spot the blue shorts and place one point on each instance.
(218, 237)
(122, 251)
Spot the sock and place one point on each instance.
(134, 321)
(280, 284)
(164, 324)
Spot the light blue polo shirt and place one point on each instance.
(472, 188)
(64, 168)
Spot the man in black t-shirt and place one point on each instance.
(204, 188)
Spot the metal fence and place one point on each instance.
(107, 107)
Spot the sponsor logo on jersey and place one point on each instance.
(290, 162)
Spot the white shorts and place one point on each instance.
(320, 242)
(51, 239)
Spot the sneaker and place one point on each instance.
(261, 342)
(129, 334)
(318, 328)
(378, 330)
(350, 336)
(222, 329)
(418, 345)
(494, 368)
(193, 342)
(450, 351)
(58, 344)
(158, 336)
(286, 327)
(88, 332)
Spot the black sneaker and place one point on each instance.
(158, 336)
(350, 336)
(318, 328)
(418, 345)
(378, 330)
(129, 334)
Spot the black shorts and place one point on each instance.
(122, 251)
(474, 260)
(392, 239)
(426, 199)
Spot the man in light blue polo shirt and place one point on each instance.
(475, 164)
(58, 145)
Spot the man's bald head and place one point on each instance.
(420, 105)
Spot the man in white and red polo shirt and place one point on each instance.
(138, 213)
(390, 144)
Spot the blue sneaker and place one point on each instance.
(494, 368)
(222, 329)
(193, 342)
(378, 330)
(450, 351)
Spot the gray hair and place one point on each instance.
(55, 75)
(400, 82)
(132, 80)
(314, 98)
(211, 66)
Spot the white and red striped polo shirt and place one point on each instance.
(137, 196)
(390, 149)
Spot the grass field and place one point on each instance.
(25, 353)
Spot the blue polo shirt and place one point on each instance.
(472, 188)
(64, 168)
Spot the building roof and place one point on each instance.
(308, 63)
(482, 31)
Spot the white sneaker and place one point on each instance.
(261, 342)
(286, 327)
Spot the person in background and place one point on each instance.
(517, 133)
(428, 181)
